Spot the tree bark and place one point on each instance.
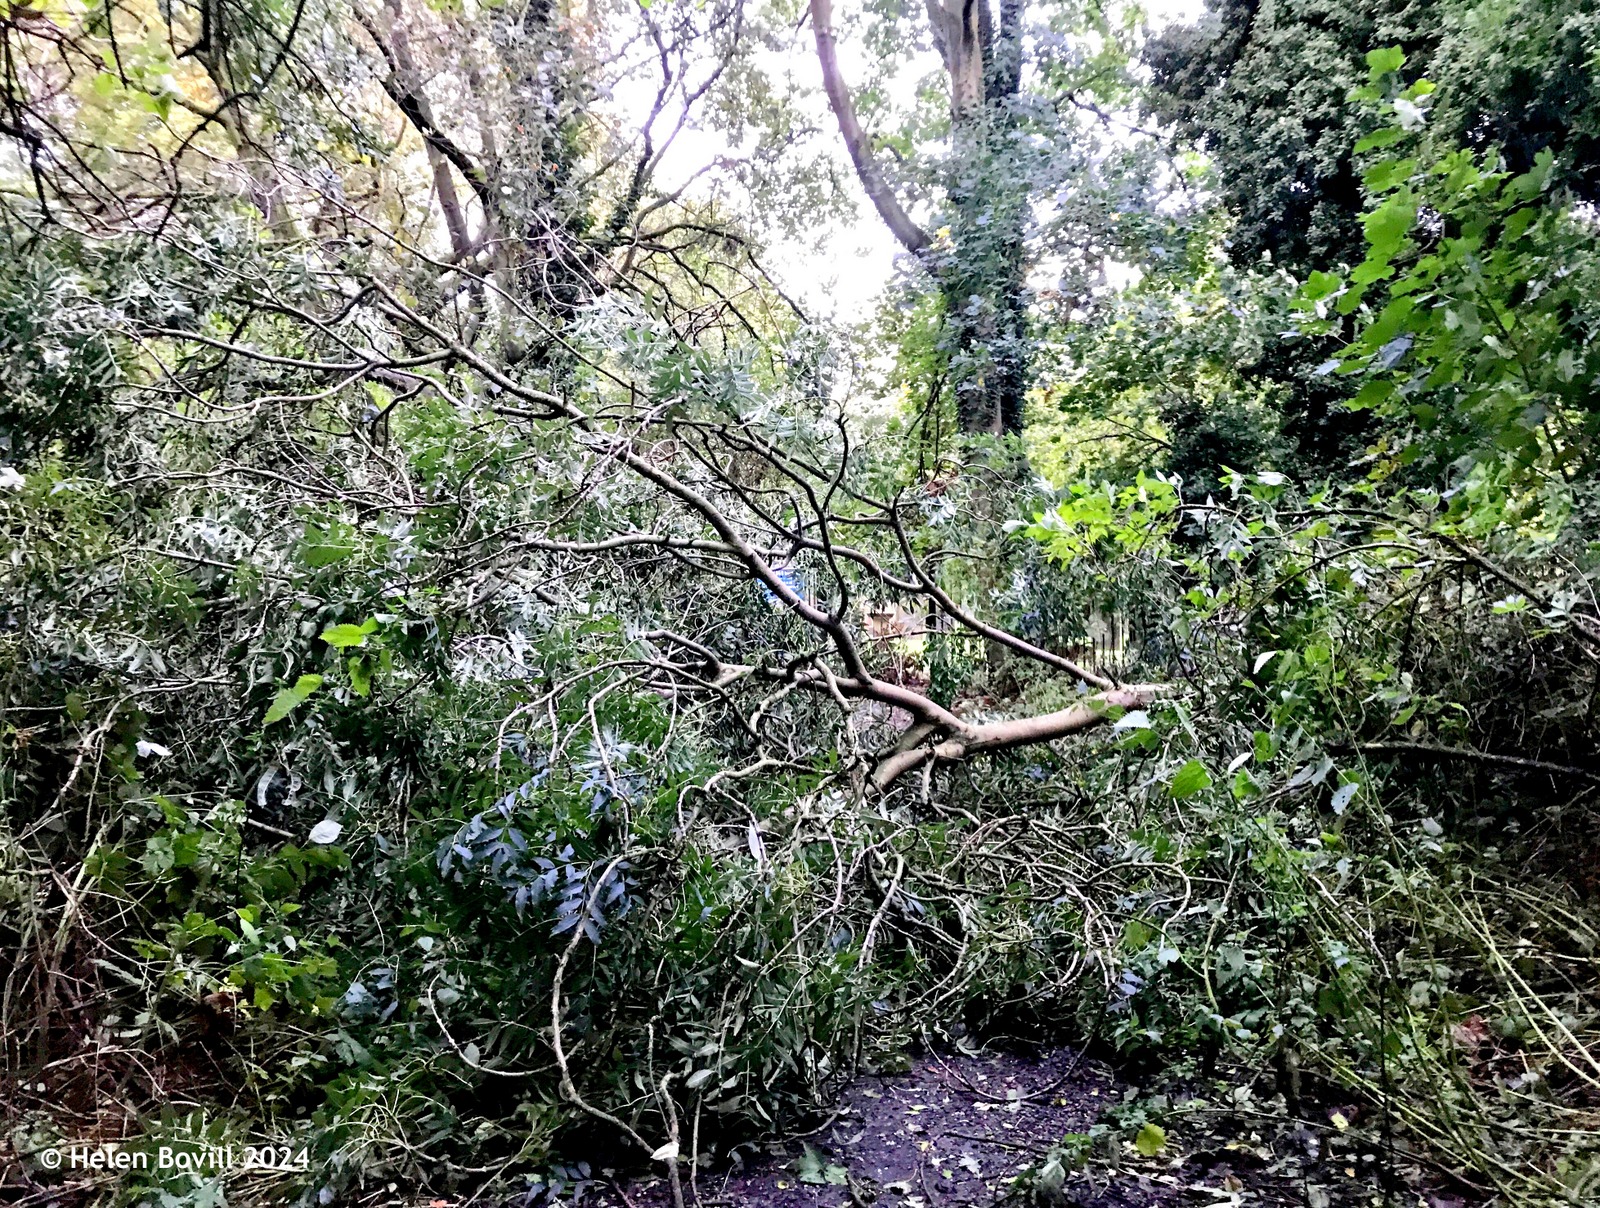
(962, 32)
(267, 191)
(404, 87)
(410, 79)
(911, 236)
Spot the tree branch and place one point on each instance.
(404, 87)
(911, 236)
(1476, 756)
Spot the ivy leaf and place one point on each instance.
(1192, 777)
(290, 699)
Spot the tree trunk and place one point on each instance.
(984, 283)
(984, 294)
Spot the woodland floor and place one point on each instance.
(955, 1131)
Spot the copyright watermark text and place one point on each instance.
(197, 1159)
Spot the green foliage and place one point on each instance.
(1465, 339)
(1186, 370)
(289, 699)
(1331, 904)
(1265, 91)
(1096, 519)
(1152, 1139)
(59, 362)
(403, 751)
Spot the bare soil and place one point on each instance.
(966, 1131)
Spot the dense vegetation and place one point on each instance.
(493, 682)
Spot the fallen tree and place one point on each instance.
(742, 504)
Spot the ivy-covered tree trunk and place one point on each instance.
(981, 272)
(984, 282)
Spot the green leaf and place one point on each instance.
(1372, 269)
(1386, 136)
(1192, 777)
(810, 1168)
(1386, 59)
(1373, 394)
(317, 556)
(1320, 285)
(1388, 225)
(290, 699)
(1389, 174)
(1350, 301)
(1152, 1139)
(342, 637)
(1265, 748)
(360, 676)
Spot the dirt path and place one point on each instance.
(956, 1132)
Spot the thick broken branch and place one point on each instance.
(937, 734)
(992, 737)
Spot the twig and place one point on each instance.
(1471, 753)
